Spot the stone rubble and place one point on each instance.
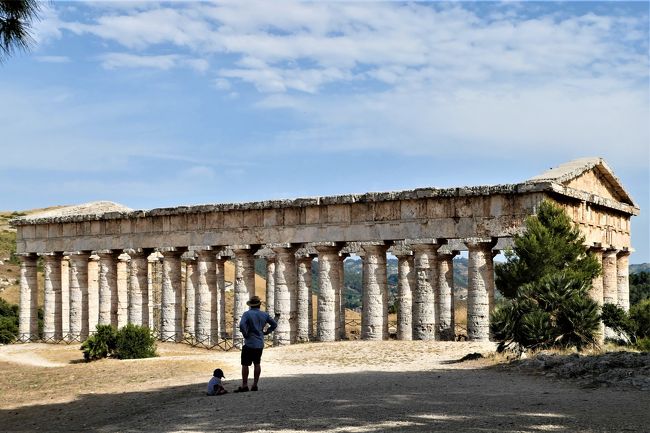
(612, 369)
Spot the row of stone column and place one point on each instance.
(121, 292)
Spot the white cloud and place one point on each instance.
(162, 62)
(52, 59)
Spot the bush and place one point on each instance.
(8, 322)
(615, 318)
(134, 342)
(640, 315)
(553, 312)
(101, 344)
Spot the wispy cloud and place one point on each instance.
(52, 59)
(163, 62)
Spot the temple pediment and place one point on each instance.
(591, 175)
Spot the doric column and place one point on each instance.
(328, 282)
(208, 297)
(244, 285)
(596, 292)
(445, 296)
(107, 287)
(303, 305)
(221, 294)
(286, 290)
(65, 297)
(480, 288)
(339, 299)
(191, 285)
(139, 287)
(122, 290)
(171, 296)
(52, 297)
(28, 318)
(623, 279)
(93, 292)
(405, 285)
(79, 295)
(374, 320)
(610, 286)
(424, 293)
(270, 285)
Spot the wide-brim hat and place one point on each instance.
(254, 301)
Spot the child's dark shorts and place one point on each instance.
(250, 356)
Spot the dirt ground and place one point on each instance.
(353, 386)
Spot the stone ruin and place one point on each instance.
(98, 258)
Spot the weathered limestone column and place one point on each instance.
(191, 285)
(28, 317)
(424, 294)
(208, 297)
(171, 296)
(79, 295)
(374, 320)
(270, 285)
(303, 305)
(405, 285)
(244, 284)
(139, 287)
(596, 292)
(623, 279)
(151, 275)
(610, 286)
(340, 298)
(328, 281)
(93, 292)
(65, 297)
(286, 291)
(445, 322)
(107, 287)
(122, 290)
(480, 288)
(221, 293)
(52, 297)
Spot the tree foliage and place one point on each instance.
(551, 244)
(15, 21)
(546, 279)
(639, 287)
(8, 322)
(130, 342)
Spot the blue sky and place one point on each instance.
(154, 104)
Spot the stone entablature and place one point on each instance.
(424, 228)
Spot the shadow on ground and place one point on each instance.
(438, 400)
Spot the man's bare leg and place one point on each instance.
(244, 376)
(256, 374)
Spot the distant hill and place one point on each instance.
(641, 267)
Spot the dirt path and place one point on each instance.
(332, 387)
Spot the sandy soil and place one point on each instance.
(351, 386)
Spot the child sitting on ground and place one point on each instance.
(214, 386)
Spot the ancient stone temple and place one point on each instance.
(98, 259)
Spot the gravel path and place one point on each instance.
(351, 387)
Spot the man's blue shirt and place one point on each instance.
(252, 325)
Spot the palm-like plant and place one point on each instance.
(15, 21)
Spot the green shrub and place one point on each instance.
(134, 342)
(643, 344)
(615, 318)
(8, 322)
(101, 344)
(640, 315)
(553, 312)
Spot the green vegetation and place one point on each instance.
(639, 287)
(635, 325)
(8, 245)
(130, 342)
(8, 322)
(546, 280)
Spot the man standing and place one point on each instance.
(252, 325)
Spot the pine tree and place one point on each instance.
(551, 244)
(546, 279)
